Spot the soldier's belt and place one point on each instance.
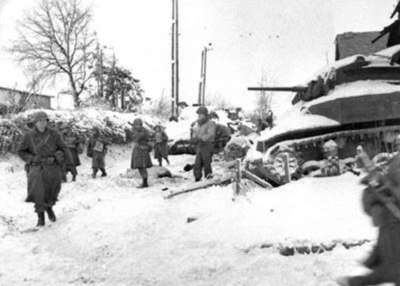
(45, 161)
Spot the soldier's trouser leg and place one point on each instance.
(74, 171)
(166, 159)
(63, 172)
(381, 275)
(143, 172)
(103, 172)
(36, 191)
(198, 166)
(207, 154)
(145, 175)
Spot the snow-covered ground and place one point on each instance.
(110, 233)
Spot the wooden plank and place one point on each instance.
(257, 180)
(200, 185)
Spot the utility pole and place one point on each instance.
(175, 59)
(200, 99)
(204, 76)
(202, 85)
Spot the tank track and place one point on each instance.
(376, 140)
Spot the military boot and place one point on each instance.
(51, 214)
(41, 219)
(103, 173)
(145, 183)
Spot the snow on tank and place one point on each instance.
(354, 101)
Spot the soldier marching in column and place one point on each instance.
(43, 150)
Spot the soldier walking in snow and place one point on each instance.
(42, 149)
(161, 145)
(141, 151)
(384, 260)
(203, 135)
(76, 148)
(97, 150)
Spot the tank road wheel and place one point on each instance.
(278, 167)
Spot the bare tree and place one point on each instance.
(218, 101)
(55, 38)
(264, 98)
(159, 107)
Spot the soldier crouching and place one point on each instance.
(42, 149)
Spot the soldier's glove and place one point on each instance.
(59, 155)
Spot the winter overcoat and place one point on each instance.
(97, 149)
(141, 151)
(39, 150)
(161, 145)
(75, 147)
(203, 135)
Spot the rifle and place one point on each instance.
(385, 31)
(379, 183)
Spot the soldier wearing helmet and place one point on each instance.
(41, 149)
(141, 159)
(97, 150)
(203, 135)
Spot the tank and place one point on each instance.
(353, 102)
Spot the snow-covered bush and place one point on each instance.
(115, 126)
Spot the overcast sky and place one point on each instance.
(287, 39)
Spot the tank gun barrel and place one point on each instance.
(279, 88)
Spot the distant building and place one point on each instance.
(10, 97)
(349, 44)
